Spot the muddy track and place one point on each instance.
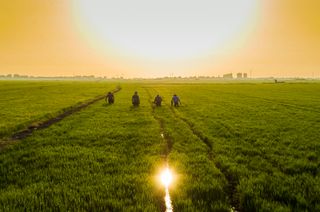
(27, 132)
(164, 135)
(232, 182)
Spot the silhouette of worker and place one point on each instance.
(135, 99)
(175, 101)
(110, 98)
(157, 100)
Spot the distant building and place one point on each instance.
(239, 75)
(245, 75)
(228, 76)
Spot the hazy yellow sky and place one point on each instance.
(159, 38)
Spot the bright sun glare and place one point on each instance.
(166, 29)
(166, 177)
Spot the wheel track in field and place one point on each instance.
(45, 124)
(163, 135)
(232, 182)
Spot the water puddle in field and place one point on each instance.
(166, 179)
(166, 176)
(168, 201)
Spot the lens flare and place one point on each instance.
(166, 177)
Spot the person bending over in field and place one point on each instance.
(110, 98)
(175, 101)
(157, 100)
(135, 99)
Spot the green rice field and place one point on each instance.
(250, 146)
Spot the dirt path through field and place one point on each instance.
(24, 133)
(163, 135)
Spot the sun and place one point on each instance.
(166, 29)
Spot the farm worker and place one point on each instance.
(135, 99)
(110, 98)
(158, 100)
(175, 101)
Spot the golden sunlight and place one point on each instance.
(164, 30)
(147, 39)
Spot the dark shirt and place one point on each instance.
(135, 99)
(158, 100)
(110, 97)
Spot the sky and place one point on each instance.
(150, 38)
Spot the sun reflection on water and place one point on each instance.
(166, 179)
(168, 201)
